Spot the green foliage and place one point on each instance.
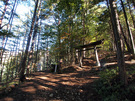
(108, 75)
(131, 70)
(10, 69)
(109, 87)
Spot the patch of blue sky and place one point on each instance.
(24, 8)
(102, 4)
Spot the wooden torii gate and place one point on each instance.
(89, 46)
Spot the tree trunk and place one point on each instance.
(132, 16)
(112, 28)
(5, 38)
(84, 29)
(28, 42)
(80, 58)
(121, 33)
(4, 11)
(129, 31)
(120, 54)
(12, 14)
(38, 46)
(125, 38)
(33, 38)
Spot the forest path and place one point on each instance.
(74, 84)
(44, 86)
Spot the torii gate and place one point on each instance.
(88, 47)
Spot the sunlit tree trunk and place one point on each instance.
(33, 39)
(129, 31)
(28, 41)
(120, 54)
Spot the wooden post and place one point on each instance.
(84, 53)
(59, 67)
(80, 61)
(96, 55)
(55, 68)
(76, 56)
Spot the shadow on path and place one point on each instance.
(44, 86)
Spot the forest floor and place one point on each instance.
(74, 84)
(44, 86)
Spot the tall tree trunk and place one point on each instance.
(120, 54)
(38, 45)
(84, 29)
(59, 40)
(132, 16)
(5, 38)
(23, 64)
(71, 41)
(125, 38)
(1, 58)
(4, 11)
(112, 28)
(129, 31)
(12, 14)
(33, 38)
(120, 30)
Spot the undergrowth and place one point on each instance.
(110, 89)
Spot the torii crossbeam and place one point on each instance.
(88, 47)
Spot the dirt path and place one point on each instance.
(43, 86)
(75, 84)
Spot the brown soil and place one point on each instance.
(73, 85)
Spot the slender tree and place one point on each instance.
(120, 54)
(132, 16)
(34, 35)
(129, 30)
(23, 64)
(4, 11)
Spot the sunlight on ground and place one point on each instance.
(49, 78)
(8, 99)
(55, 100)
(112, 63)
(94, 77)
(44, 88)
(51, 84)
(130, 62)
(115, 63)
(44, 78)
(29, 89)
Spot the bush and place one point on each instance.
(109, 87)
